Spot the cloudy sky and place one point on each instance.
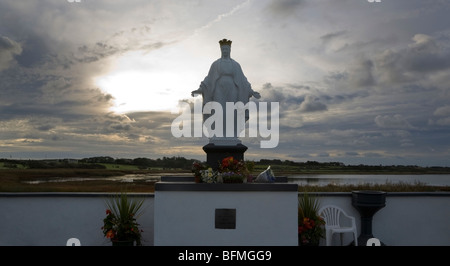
(357, 82)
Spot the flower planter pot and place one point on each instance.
(233, 179)
(310, 243)
(123, 243)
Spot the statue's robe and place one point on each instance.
(209, 85)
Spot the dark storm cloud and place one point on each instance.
(284, 7)
(441, 116)
(274, 94)
(46, 127)
(442, 111)
(351, 153)
(396, 121)
(16, 110)
(56, 98)
(312, 104)
(8, 50)
(332, 36)
(294, 97)
(35, 51)
(362, 74)
(104, 49)
(423, 56)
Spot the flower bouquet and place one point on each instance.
(209, 176)
(230, 171)
(199, 170)
(233, 171)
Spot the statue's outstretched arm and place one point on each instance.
(199, 90)
(256, 94)
(253, 93)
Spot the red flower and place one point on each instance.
(227, 161)
(110, 234)
(108, 212)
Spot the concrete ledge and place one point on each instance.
(177, 178)
(142, 194)
(418, 194)
(187, 186)
(70, 194)
(190, 178)
(388, 194)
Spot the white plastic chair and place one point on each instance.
(332, 215)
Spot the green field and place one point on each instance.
(4, 165)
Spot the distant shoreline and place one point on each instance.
(18, 180)
(95, 175)
(80, 172)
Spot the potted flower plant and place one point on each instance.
(310, 224)
(120, 224)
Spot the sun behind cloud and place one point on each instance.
(137, 91)
(153, 81)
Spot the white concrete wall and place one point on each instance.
(408, 219)
(35, 219)
(263, 218)
(50, 219)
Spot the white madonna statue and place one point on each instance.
(224, 83)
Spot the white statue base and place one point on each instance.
(191, 214)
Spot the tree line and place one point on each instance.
(142, 162)
(178, 162)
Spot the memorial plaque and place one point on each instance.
(225, 219)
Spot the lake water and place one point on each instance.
(124, 178)
(316, 180)
(323, 180)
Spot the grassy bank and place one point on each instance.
(348, 170)
(17, 180)
(387, 187)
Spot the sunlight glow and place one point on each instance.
(138, 91)
(153, 81)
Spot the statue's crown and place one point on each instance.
(225, 42)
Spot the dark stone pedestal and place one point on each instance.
(216, 153)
